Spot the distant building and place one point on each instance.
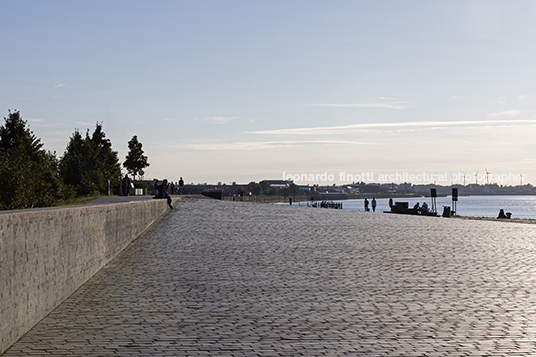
(279, 183)
(370, 188)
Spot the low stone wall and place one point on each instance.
(45, 255)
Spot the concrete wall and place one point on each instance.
(45, 255)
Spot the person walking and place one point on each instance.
(373, 204)
(366, 205)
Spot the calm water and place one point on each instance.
(476, 206)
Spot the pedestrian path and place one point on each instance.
(215, 278)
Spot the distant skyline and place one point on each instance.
(223, 91)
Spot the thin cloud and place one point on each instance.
(407, 126)
(258, 145)
(59, 85)
(40, 122)
(522, 97)
(394, 105)
(505, 113)
(218, 119)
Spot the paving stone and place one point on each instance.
(214, 278)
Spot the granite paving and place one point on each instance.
(217, 278)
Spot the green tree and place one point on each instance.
(88, 163)
(254, 188)
(135, 160)
(265, 186)
(27, 173)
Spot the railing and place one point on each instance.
(268, 199)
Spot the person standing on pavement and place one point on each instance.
(373, 204)
(181, 186)
(366, 205)
(126, 185)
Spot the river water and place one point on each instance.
(474, 206)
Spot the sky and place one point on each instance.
(317, 91)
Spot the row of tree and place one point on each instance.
(263, 188)
(33, 177)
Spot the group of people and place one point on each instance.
(417, 208)
(176, 188)
(372, 204)
(420, 209)
(164, 189)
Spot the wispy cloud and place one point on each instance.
(406, 126)
(218, 119)
(522, 97)
(257, 145)
(59, 85)
(40, 122)
(392, 105)
(504, 113)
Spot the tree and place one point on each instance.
(135, 160)
(88, 163)
(254, 188)
(27, 174)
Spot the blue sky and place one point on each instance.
(222, 91)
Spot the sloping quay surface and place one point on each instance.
(235, 278)
(46, 254)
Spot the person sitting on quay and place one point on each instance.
(501, 214)
(416, 208)
(162, 192)
(424, 208)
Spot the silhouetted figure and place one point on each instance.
(373, 204)
(163, 193)
(181, 186)
(366, 205)
(126, 185)
(501, 214)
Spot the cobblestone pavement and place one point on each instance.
(215, 278)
